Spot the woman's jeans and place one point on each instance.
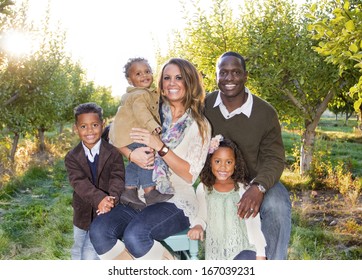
(137, 229)
(275, 214)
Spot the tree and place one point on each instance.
(272, 35)
(208, 33)
(342, 103)
(286, 71)
(38, 88)
(103, 97)
(339, 34)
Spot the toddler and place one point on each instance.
(139, 108)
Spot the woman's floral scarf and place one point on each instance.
(172, 135)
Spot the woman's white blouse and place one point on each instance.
(194, 151)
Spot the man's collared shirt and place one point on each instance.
(245, 108)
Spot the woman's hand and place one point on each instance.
(196, 233)
(143, 136)
(143, 156)
(178, 165)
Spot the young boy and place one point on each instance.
(139, 108)
(96, 172)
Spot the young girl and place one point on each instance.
(223, 182)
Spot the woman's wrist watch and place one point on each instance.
(164, 150)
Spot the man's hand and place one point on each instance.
(249, 204)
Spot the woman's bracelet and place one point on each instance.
(129, 156)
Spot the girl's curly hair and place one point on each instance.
(240, 175)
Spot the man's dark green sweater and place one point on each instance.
(258, 137)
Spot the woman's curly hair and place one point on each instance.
(240, 175)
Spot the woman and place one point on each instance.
(180, 156)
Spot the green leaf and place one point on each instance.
(357, 57)
(353, 48)
(350, 25)
(358, 65)
(337, 19)
(310, 16)
(313, 7)
(357, 105)
(346, 6)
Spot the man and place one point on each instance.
(253, 125)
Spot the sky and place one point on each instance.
(103, 35)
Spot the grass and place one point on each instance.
(342, 142)
(36, 217)
(36, 212)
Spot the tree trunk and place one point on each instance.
(308, 137)
(41, 138)
(14, 147)
(348, 115)
(307, 149)
(61, 128)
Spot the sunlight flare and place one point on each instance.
(17, 43)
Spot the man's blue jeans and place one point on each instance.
(275, 214)
(137, 229)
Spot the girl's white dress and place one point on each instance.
(226, 234)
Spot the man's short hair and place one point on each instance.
(235, 54)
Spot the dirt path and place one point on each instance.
(328, 209)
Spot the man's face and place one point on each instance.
(230, 76)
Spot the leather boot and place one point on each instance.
(130, 197)
(155, 196)
(168, 256)
(124, 255)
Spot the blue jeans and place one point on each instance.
(109, 227)
(246, 255)
(137, 229)
(82, 248)
(137, 176)
(275, 215)
(155, 222)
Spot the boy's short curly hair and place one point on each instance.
(86, 108)
(129, 63)
(240, 175)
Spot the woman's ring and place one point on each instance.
(251, 210)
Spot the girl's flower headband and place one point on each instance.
(214, 143)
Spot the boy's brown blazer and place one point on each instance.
(86, 195)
